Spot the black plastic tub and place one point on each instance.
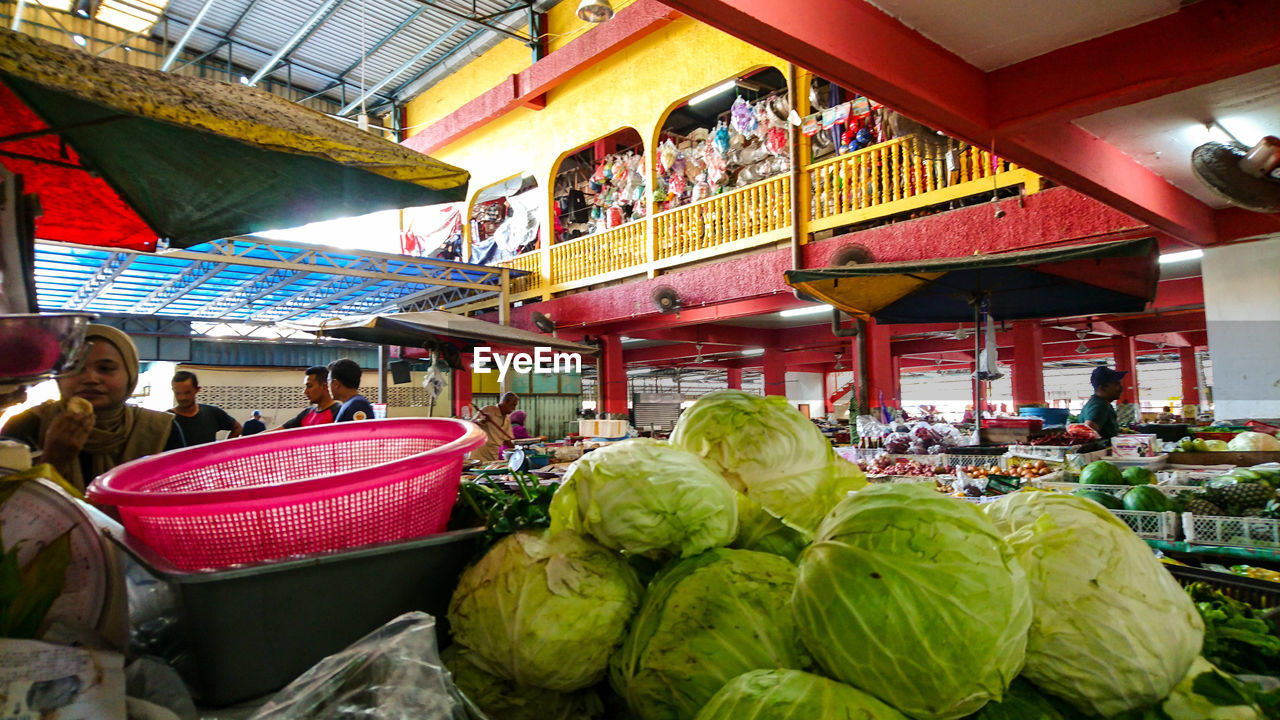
(251, 630)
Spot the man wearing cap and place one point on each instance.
(254, 425)
(1107, 388)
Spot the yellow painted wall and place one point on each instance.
(506, 58)
(633, 88)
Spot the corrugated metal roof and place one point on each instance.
(407, 38)
(244, 280)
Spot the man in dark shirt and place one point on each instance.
(344, 385)
(323, 408)
(200, 423)
(254, 425)
(1107, 388)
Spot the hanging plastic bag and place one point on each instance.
(776, 141)
(742, 117)
(666, 155)
(987, 367)
(720, 138)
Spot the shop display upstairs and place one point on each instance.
(122, 156)
(1110, 277)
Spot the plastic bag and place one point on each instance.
(160, 685)
(393, 672)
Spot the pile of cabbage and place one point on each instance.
(743, 571)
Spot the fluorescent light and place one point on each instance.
(708, 94)
(625, 339)
(750, 352)
(244, 79)
(1181, 256)
(801, 311)
(79, 40)
(640, 371)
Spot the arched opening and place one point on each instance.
(730, 135)
(505, 220)
(600, 186)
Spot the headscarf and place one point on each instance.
(120, 433)
(517, 417)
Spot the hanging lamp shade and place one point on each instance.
(595, 11)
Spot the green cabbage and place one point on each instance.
(706, 620)
(915, 598)
(1112, 630)
(1247, 441)
(500, 698)
(1023, 702)
(793, 695)
(1205, 693)
(762, 532)
(767, 449)
(544, 611)
(646, 497)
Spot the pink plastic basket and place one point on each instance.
(292, 492)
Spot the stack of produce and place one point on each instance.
(1243, 492)
(899, 603)
(886, 466)
(1242, 442)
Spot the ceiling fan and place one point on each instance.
(1243, 176)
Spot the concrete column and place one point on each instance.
(1190, 381)
(1128, 407)
(775, 373)
(828, 388)
(613, 377)
(1028, 362)
(734, 376)
(461, 390)
(874, 349)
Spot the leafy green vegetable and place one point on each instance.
(762, 532)
(1023, 701)
(791, 695)
(1205, 693)
(544, 610)
(27, 593)
(706, 620)
(504, 512)
(1236, 638)
(1112, 630)
(646, 497)
(768, 450)
(505, 700)
(915, 598)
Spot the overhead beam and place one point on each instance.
(480, 22)
(310, 25)
(178, 47)
(414, 60)
(100, 282)
(695, 316)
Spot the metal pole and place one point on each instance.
(17, 15)
(182, 41)
(382, 373)
(977, 352)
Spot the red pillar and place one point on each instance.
(828, 389)
(1028, 362)
(1126, 358)
(1190, 379)
(613, 377)
(462, 386)
(775, 373)
(734, 376)
(882, 378)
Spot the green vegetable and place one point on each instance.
(1112, 630)
(1101, 472)
(1205, 693)
(1253, 441)
(768, 450)
(762, 532)
(1138, 475)
(646, 497)
(1105, 499)
(915, 598)
(792, 695)
(503, 512)
(1147, 498)
(500, 698)
(544, 611)
(706, 620)
(1236, 638)
(27, 592)
(1023, 702)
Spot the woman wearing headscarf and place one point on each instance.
(91, 429)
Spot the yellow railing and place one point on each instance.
(759, 209)
(899, 176)
(603, 253)
(529, 262)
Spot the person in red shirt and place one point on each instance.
(315, 385)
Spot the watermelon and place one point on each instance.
(1148, 498)
(1101, 472)
(1105, 499)
(1138, 475)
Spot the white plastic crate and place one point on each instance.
(1248, 532)
(955, 460)
(981, 500)
(1056, 455)
(602, 428)
(1150, 525)
(1151, 463)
